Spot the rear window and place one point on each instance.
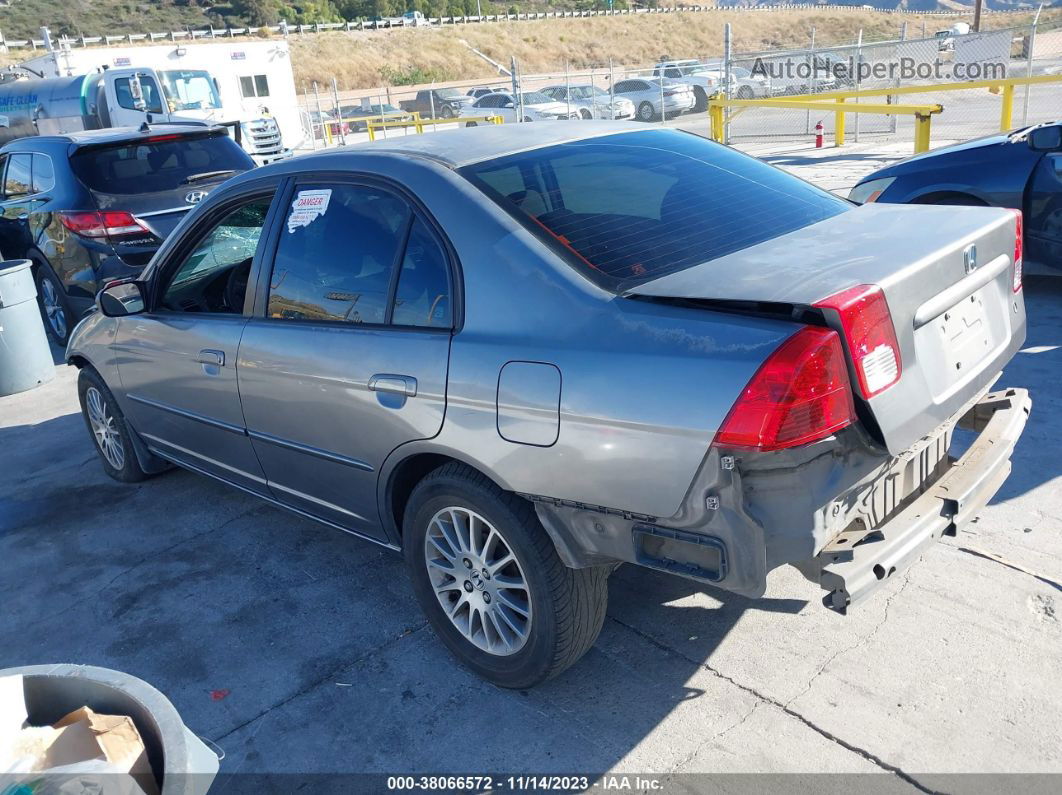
(632, 207)
(150, 166)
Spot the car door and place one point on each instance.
(133, 98)
(178, 360)
(1043, 214)
(347, 354)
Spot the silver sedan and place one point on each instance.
(525, 354)
(653, 99)
(591, 102)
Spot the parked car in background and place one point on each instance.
(358, 116)
(1021, 169)
(437, 103)
(591, 101)
(89, 207)
(653, 100)
(702, 81)
(482, 91)
(527, 353)
(536, 107)
(325, 125)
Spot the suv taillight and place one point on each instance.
(870, 335)
(799, 395)
(99, 225)
(1016, 283)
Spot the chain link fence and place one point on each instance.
(674, 90)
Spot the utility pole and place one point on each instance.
(977, 15)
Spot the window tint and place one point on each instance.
(43, 173)
(261, 85)
(124, 93)
(631, 207)
(163, 164)
(254, 86)
(423, 294)
(337, 253)
(213, 278)
(17, 179)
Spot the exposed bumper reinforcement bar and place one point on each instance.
(953, 500)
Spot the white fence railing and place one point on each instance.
(385, 24)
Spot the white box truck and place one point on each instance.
(246, 82)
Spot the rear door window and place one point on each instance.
(628, 208)
(43, 173)
(162, 163)
(17, 179)
(337, 253)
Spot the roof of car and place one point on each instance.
(456, 148)
(110, 135)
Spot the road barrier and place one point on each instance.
(834, 102)
(419, 124)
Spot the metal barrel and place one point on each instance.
(25, 356)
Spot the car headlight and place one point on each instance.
(869, 191)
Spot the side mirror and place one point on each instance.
(508, 105)
(121, 298)
(1046, 139)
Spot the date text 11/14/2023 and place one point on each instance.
(526, 783)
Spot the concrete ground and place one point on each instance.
(298, 649)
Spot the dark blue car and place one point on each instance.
(1020, 169)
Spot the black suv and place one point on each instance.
(90, 207)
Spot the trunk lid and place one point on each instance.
(957, 321)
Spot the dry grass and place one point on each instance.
(371, 59)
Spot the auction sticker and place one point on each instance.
(308, 205)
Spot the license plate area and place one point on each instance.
(953, 348)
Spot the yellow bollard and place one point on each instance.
(922, 122)
(715, 117)
(1006, 112)
(838, 125)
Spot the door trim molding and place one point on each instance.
(188, 415)
(316, 452)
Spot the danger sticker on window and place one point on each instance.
(308, 205)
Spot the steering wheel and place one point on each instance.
(236, 285)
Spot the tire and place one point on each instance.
(545, 618)
(100, 411)
(700, 103)
(744, 92)
(447, 112)
(585, 115)
(646, 112)
(470, 124)
(55, 310)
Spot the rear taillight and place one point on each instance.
(870, 335)
(99, 225)
(1016, 283)
(799, 395)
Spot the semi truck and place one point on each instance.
(248, 86)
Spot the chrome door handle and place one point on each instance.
(208, 356)
(394, 384)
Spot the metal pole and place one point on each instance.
(518, 99)
(858, 60)
(811, 84)
(431, 98)
(893, 119)
(320, 114)
(611, 86)
(309, 118)
(1031, 43)
(567, 88)
(977, 16)
(727, 56)
(339, 113)
(593, 95)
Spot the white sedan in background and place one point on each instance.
(591, 102)
(536, 107)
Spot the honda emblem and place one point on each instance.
(969, 258)
(195, 196)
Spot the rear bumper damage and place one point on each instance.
(851, 575)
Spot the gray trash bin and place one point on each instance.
(182, 763)
(25, 356)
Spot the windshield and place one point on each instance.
(449, 93)
(535, 98)
(165, 163)
(188, 89)
(630, 207)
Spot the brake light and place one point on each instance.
(799, 395)
(871, 337)
(108, 224)
(1018, 245)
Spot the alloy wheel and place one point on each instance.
(478, 581)
(53, 308)
(104, 428)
